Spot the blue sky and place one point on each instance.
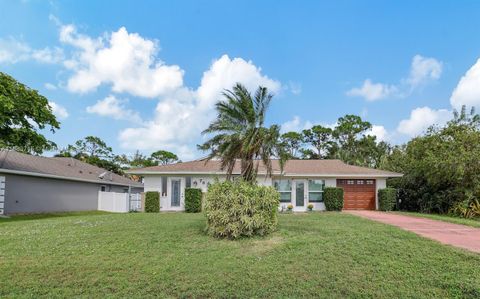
(145, 76)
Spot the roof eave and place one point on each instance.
(188, 172)
(263, 173)
(53, 176)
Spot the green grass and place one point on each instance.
(49, 215)
(330, 255)
(446, 218)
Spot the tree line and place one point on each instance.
(349, 140)
(95, 151)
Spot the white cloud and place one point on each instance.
(48, 55)
(125, 60)
(225, 72)
(422, 118)
(373, 91)
(182, 115)
(114, 108)
(296, 125)
(13, 51)
(424, 69)
(58, 110)
(467, 91)
(295, 88)
(380, 132)
(50, 86)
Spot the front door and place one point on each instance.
(299, 193)
(175, 199)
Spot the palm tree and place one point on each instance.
(240, 133)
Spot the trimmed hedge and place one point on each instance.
(240, 209)
(387, 199)
(333, 198)
(193, 200)
(152, 202)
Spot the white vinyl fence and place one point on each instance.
(119, 202)
(2, 195)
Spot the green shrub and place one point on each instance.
(152, 202)
(240, 209)
(466, 209)
(387, 199)
(310, 206)
(193, 200)
(333, 198)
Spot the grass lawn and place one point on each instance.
(167, 255)
(446, 218)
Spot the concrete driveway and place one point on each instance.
(457, 235)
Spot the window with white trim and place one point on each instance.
(284, 187)
(315, 190)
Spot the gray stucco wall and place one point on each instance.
(28, 194)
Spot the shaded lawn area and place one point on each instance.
(446, 218)
(167, 255)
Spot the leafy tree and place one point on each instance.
(349, 131)
(137, 160)
(349, 127)
(164, 157)
(292, 143)
(239, 133)
(23, 111)
(95, 151)
(320, 138)
(369, 153)
(92, 146)
(309, 154)
(441, 169)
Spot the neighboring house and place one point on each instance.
(33, 184)
(300, 183)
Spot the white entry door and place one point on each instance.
(176, 194)
(175, 199)
(300, 196)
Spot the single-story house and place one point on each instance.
(301, 182)
(34, 184)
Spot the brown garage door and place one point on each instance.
(359, 194)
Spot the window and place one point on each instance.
(164, 186)
(360, 182)
(284, 187)
(369, 182)
(103, 188)
(188, 182)
(315, 190)
(350, 182)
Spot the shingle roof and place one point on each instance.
(292, 167)
(67, 168)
